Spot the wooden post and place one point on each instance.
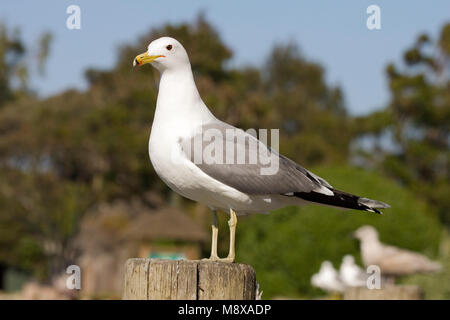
(404, 292)
(157, 279)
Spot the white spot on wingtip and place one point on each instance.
(325, 191)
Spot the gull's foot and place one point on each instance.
(211, 258)
(226, 260)
(217, 259)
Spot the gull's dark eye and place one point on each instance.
(169, 47)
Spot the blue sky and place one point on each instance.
(330, 32)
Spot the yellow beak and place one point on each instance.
(144, 58)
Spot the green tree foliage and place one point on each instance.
(44, 51)
(287, 247)
(11, 64)
(14, 68)
(418, 121)
(39, 216)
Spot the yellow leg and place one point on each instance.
(232, 224)
(215, 233)
(215, 230)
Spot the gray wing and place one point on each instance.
(246, 176)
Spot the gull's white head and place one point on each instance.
(348, 260)
(164, 54)
(366, 233)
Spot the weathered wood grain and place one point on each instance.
(157, 279)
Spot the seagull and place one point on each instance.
(232, 185)
(351, 274)
(327, 278)
(391, 260)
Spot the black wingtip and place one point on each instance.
(376, 211)
(344, 200)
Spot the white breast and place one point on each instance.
(180, 174)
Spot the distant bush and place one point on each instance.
(288, 246)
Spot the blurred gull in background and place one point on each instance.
(328, 279)
(351, 274)
(392, 261)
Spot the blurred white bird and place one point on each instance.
(259, 292)
(392, 261)
(327, 278)
(351, 274)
